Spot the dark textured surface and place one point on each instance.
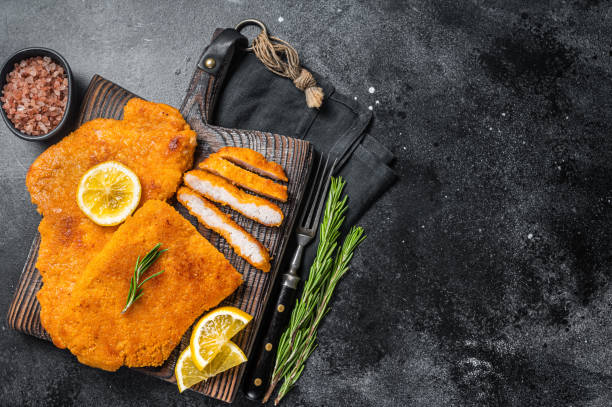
(485, 279)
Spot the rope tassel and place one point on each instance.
(270, 50)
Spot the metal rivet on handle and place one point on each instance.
(257, 382)
(280, 308)
(268, 346)
(210, 63)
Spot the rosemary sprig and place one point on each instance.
(299, 339)
(141, 267)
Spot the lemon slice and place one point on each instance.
(214, 330)
(187, 374)
(108, 193)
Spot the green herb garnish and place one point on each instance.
(299, 339)
(140, 268)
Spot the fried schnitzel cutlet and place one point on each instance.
(243, 243)
(221, 191)
(253, 161)
(196, 278)
(153, 140)
(243, 178)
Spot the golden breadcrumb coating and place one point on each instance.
(67, 244)
(243, 243)
(253, 161)
(243, 178)
(153, 140)
(221, 191)
(196, 278)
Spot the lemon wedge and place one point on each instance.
(187, 374)
(108, 193)
(214, 330)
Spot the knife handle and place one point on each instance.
(257, 382)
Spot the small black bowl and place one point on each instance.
(8, 66)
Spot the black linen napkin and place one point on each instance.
(254, 98)
(246, 95)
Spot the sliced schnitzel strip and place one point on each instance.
(253, 161)
(244, 178)
(221, 191)
(243, 243)
(196, 278)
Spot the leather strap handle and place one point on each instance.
(215, 62)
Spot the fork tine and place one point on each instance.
(309, 199)
(320, 190)
(323, 198)
(314, 191)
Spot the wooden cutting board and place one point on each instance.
(106, 99)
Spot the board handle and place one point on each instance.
(215, 62)
(258, 380)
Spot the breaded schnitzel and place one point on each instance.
(243, 178)
(196, 277)
(221, 191)
(153, 140)
(243, 243)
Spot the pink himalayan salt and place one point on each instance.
(35, 95)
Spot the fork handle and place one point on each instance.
(258, 380)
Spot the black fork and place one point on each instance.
(259, 378)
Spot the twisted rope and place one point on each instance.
(270, 50)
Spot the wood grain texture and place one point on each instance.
(106, 99)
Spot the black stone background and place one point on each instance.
(485, 279)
